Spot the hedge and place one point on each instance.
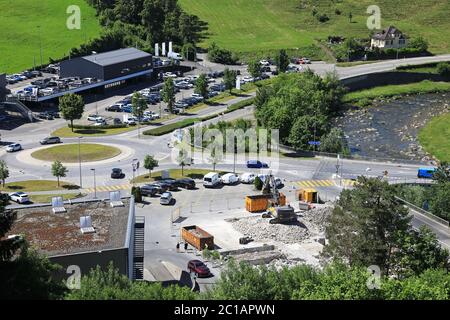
(109, 126)
(190, 121)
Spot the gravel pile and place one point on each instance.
(316, 218)
(260, 229)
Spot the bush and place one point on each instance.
(337, 12)
(258, 183)
(219, 55)
(136, 192)
(443, 68)
(322, 18)
(418, 43)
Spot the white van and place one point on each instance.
(175, 56)
(230, 178)
(211, 180)
(247, 177)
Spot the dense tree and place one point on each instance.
(58, 170)
(366, 225)
(263, 94)
(150, 163)
(71, 107)
(219, 55)
(139, 105)
(168, 94)
(439, 199)
(442, 173)
(201, 86)
(229, 79)
(258, 183)
(334, 142)
(183, 160)
(254, 68)
(282, 61)
(4, 172)
(418, 43)
(443, 68)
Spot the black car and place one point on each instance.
(161, 187)
(173, 186)
(186, 183)
(265, 69)
(117, 121)
(117, 174)
(114, 108)
(54, 114)
(149, 190)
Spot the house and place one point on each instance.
(389, 38)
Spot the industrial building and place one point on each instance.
(95, 73)
(2, 87)
(114, 234)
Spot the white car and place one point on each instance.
(19, 197)
(248, 79)
(229, 178)
(130, 122)
(14, 147)
(264, 62)
(247, 177)
(169, 75)
(94, 117)
(166, 198)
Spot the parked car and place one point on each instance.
(54, 114)
(264, 62)
(247, 177)
(117, 121)
(45, 115)
(198, 268)
(186, 183)
(247, 79)
(94, 117)
(265, 69)
(50, 140)
(229, 179)
(161, 186)
(149, 190)
(130, 122)
(173, 185)
(211, 180)
(256, 164)
(166, 198)
(113, 108)
(117, 173)
(19, 197)
(14, 147)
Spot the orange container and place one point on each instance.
(197, 237)
(256, 203)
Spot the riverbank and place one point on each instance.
(435, 137)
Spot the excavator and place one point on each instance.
(277, 213)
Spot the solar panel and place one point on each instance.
(115, 199)
(58, 205)
(86, 224)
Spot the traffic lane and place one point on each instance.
(442, 232)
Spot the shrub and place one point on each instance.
(258, 183)
(337, 12)
(88, 127)
(443, 68)
(322, 17)
(136, 192)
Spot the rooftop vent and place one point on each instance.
(115, 199)
(58, 205)
(86, 225)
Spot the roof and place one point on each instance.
(60, 234)
(388, 33)
(116, 56)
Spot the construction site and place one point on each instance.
(270, 227)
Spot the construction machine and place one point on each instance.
(276, 211)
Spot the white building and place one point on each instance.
(389, 38)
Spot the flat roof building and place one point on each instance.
(60, 237)
(108, 65)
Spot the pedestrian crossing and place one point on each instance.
(325, 183)
(109, 188)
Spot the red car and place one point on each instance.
(199, 268)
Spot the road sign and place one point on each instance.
(314, 143)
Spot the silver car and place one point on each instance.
(19, 197)
(166, 198)
(14, 147)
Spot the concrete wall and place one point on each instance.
(2, 87)
(387, 78)
(82, 68)
(90, 260)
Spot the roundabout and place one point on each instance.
(68, 154)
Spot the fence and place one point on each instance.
(424, 212)
(216, 205)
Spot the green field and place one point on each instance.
(19, 35)
(69, 152)
(255, 25)
(435, 137)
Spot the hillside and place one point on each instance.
(253, 25)
(19, 36)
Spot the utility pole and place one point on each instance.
(95, 185)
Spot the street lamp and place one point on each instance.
(79, 159)
(135, 165)
(95, 185)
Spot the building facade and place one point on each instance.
(2, 87)
(389, 38)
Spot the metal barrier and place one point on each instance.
(424, 212)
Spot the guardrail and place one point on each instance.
(424, 212)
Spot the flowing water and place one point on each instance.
(390, 128)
